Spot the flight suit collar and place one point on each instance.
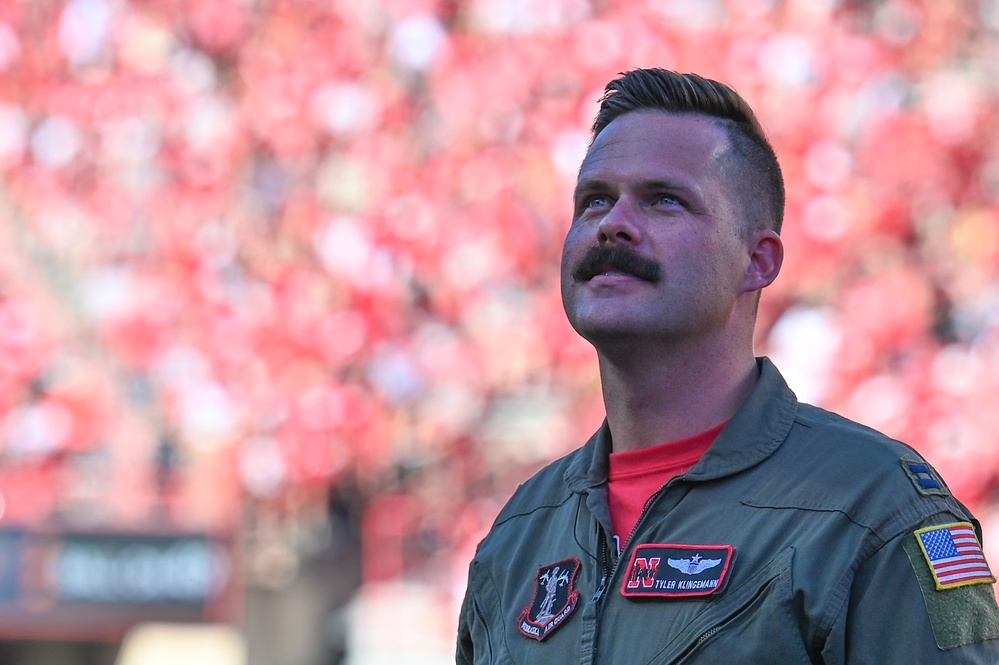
(755, 431)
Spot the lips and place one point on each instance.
(615, 260)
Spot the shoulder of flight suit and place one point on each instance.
(894, 613)
(835, 464)
(545, 489)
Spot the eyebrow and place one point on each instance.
(672, 185)
(589, 185)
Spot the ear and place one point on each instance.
(766, 255)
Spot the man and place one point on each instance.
(712, 518)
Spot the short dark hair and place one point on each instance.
(753, 167)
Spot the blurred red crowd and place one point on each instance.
(251, 250)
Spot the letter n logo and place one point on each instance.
(643, 572)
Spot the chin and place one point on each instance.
(617, 332)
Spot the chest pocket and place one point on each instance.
(755, 624)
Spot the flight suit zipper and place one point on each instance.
(605, 572)
(609, 571)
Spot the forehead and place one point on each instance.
(652, 144)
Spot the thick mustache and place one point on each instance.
(616, 258)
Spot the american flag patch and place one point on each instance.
(954, 554)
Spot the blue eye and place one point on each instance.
(596, 201)
(668, 200)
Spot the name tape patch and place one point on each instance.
(954, 555)
(555, 598)
(677, 571)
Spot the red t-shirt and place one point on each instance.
(636, 475)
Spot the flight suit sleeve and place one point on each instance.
(473, 635)
(465, 652)
(895, 613)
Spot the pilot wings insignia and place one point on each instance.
(693, 565)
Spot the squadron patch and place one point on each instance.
(555, 598)
(677, 571)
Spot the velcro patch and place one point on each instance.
(927, 481)
(677, 571)
(555, 598)
(959, 616)
(954, 555)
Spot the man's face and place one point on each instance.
(654, 250)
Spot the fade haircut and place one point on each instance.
(751, 165)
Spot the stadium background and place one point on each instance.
(279, 317)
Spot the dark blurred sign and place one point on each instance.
(97, 585)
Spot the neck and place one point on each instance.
(670, 398)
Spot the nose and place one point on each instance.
(620, 224)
